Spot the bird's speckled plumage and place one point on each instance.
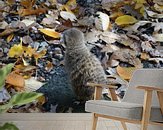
(82, 66)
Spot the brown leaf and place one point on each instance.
(49, 66)
(26, 12)
(125, 72)
(7, 32)
(15, 80)
(126, 55)
(28, 4)
(144, 56)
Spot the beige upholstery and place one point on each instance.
(131, 106)
(121, 109)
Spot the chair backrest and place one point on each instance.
(144, 77)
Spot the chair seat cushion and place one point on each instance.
(125, 110)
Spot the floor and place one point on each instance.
(63, 121)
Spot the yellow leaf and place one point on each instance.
(10, 37)
(142, 10)
(50, 33)
(41, 100)
(28, 51)
(125, 19)
(71, 2)
(15, 80)
(38, 55)
(125, 72)
(16, 51)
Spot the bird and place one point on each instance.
(81, 65)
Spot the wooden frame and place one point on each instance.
(146, 107)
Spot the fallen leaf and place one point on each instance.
(67, 15)
(3, 24)
(49, 66)
(10, 2)
(159, 8)
(38, 55)
(144, 56)
(41, 100)
(28, 22)
(7, 32)
(125, 72)
(158, 37)
(10, 37)
(32, 84)
(125, 20)
(29, 51)
(15, 80)
(26, 12)
(16, 51)
(28, 4)
(102, 22)
(50, 33)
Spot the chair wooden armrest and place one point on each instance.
(111, 86)
(98, 90)
(148, 100)
(147, 88)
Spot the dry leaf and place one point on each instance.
(49, 66)
(38, 55)
(15, 80)
(16, 51)
(32, 84)
(28, 22)
(28, 51)
(41, 100)
(125, 72)
(68, 15)
(158, 37)
(125, 20)
(3, 24)
(159, 8)
(102, 21)
(10, 2)
(26, 12)
(28, 4)
(7, 32)
(50, 33)
(10, 37)
(144, 56)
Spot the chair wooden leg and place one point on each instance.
(124, 125)
(146, 110)
(94, 122)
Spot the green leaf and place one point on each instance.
(4, 72)
(4, 108)
(8, 126)
(24, 98)
(125, 20)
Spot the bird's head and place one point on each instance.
(73, 37)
